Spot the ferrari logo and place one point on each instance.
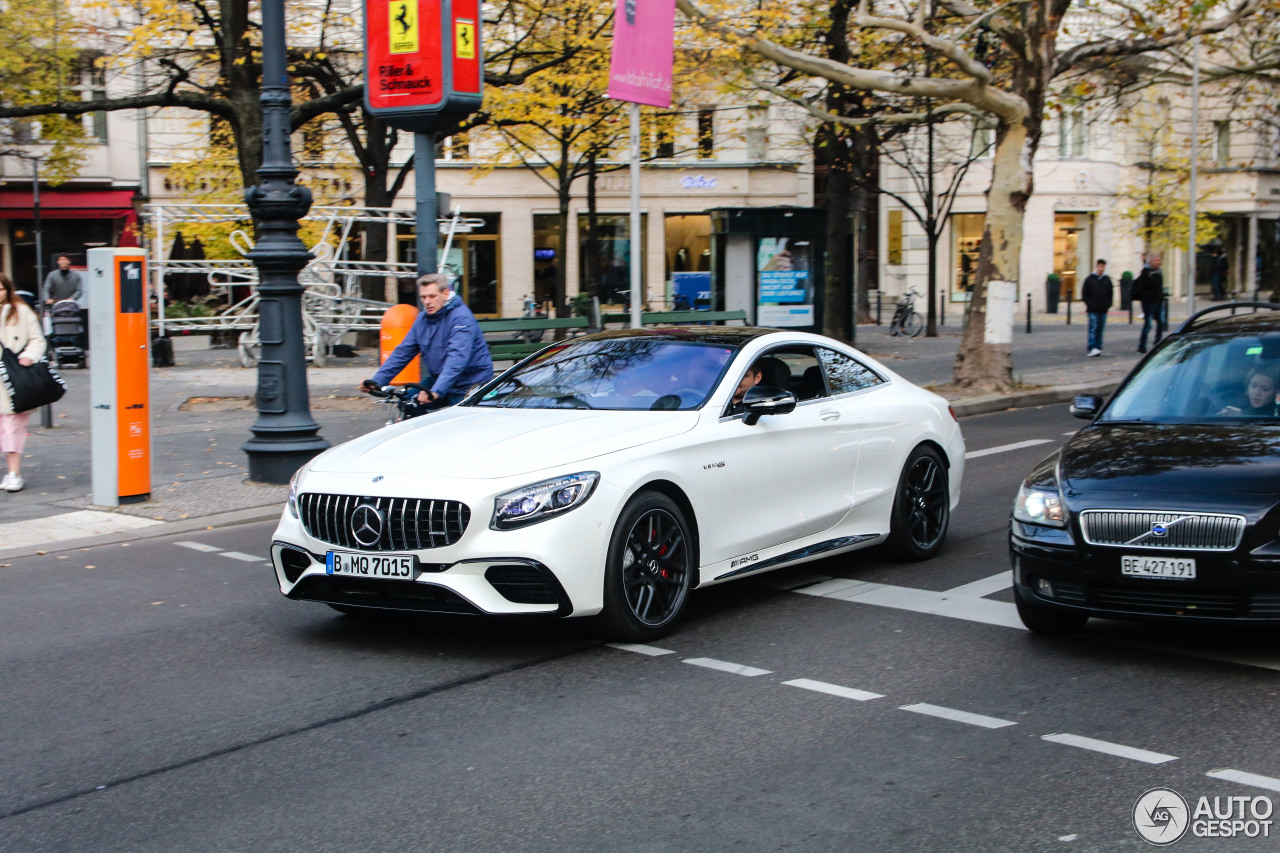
(464, 39)
(403, 27)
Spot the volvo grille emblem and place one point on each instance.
(1159, 528)
(366, 525)
(377, 479)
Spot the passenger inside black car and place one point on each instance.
(1258, 399)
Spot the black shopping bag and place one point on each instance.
(29, 387)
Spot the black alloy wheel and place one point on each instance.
(649, 571)
(921, 507)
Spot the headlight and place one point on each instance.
(293, 493)
(540, 501)
(1039, 504)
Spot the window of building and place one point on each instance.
(966, 238)
(456, 147)
(984, 139)
(1071, 134)
(706, 133)
(608, 275)
(757, 132)
(1222, 144)
(473, 259)
(91, 81)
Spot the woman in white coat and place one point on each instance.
(20, 333)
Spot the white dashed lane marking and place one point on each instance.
(984, 587)
(1252, 779)
(958, 716)
(244, 558)
(833, 689)
(948, 604)
(1120, 750)
(725, 666)
(641, 649)
(1005, 448)
(199, 546)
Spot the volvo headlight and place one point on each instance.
(1038, 503)
(540, 501)
(293, 493)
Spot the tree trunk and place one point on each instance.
(984, 363)
(835, 292)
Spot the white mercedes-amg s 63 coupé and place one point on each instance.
(609, 475)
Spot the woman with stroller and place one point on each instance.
(20, 333)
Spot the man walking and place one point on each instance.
(63, 283)
(1097, 295)
(446, 334)
(1148, 288)
(1219, 274)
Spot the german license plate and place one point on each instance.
(1180, 568)
(396, 566)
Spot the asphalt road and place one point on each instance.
(162, 696)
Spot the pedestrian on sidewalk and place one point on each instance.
(1097, 294)
(1148, 288)
(447, 336)
(1219, 274)
(63, 283)
(20, 333)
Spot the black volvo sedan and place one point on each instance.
(1167, 506)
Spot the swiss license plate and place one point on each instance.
(396, 566)
(1179, 568)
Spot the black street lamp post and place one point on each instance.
(285, 436)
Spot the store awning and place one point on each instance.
(67, 204)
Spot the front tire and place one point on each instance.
(1048, 621)
(912, 324)
(921, 506)
(649, 570)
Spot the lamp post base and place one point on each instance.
(274, 460)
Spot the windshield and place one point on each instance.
(1204, 379)
(619, 373)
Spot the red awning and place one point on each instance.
(67, 204)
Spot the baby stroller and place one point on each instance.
(67, 336)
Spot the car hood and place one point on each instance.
(486, 443)
(1174, 458)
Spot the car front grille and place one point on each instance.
(396, 524)
(1172, 602)
(390, 595)
(1187, 531)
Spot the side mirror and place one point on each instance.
(762, 400)
(1086, 406)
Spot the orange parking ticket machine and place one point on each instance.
(396, 323)
(119, 378)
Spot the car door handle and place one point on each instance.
(830, 415)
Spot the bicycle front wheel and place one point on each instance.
(912, 325)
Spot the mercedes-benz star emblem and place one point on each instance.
(377, 479)
(366, 525)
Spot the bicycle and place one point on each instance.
(404, 398)
(906, 320)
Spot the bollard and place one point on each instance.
(877, 307)
(942, 309)
(1130, 312)
(1068, 311)
(1028, 313)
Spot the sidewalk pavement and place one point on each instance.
(203, 409)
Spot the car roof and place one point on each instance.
(730, 336)
(1262, 322)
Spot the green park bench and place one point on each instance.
(514, 349)
(678, 318)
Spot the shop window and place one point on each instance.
(687, 246)
(610, 274)
(473, 260)
(966, 238)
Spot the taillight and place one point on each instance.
(954, 417)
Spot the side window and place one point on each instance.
(844, 374)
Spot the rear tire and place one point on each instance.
(1049, 621)
(912, 325)
(921, 506)
(649, 570)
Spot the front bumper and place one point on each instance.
(551, 568)
(1051, 569)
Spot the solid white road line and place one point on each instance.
(984, 587)
(641, 649)
(199, 546)
(1252, 779)
(958, 716)
(1004, 448)
(1144, 755)
(833, 689)
(725, 666)
(244, 558)
(68, 525)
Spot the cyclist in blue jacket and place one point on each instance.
(447, 336)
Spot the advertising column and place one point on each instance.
(119, 392)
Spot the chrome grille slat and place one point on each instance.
(425, 524)
(1186, 531)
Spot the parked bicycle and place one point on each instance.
(906, 319)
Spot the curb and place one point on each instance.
(155, 531)
(968, 406)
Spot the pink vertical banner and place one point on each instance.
(644, 33)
